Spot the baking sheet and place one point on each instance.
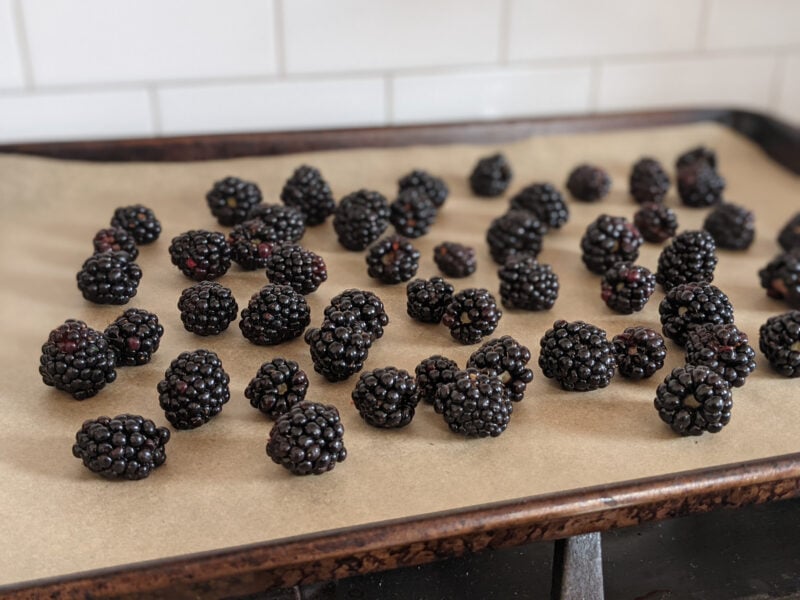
(218, 488)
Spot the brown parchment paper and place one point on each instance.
(218, 488)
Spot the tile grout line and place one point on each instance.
(22, 44)
(280, 41)
(505, 27)
(155, 110)
(703, 26)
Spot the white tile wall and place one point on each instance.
(10, 59)
(789, 99)
(753, 23)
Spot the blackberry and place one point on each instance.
(471, 315)
(392, 260)
(491, 176)
(115, 239)
(286, 222)
(694, 399)
(360, 219)
(275, 314)
(139, 221)
(293, 265)
(307, 191)
(626, 287)
(231, 200)
(433, 187)
(691, 257)
(789, 236)
(109, 278)
(412, 213)
(544, 201)
(427, 299)
(609, 240)
(700, 185)
(455, 260)
(640, 352)
(475, 404)
(251, 244)
(77, 359)
(779, 340)
(781, 278)
(308, 440)
(201, 254)
(527, 284)
(432, 372)
(386, 397)
(207, 308)
(701, 154)
(656, 222)
(278, 386)
(134, 336)
(194, 389)
(577, 355)
(125, 447)
(507, 359)
(339, 346)
(648, 181)
(690, 304)
(366, 306)
(731, 226)
(588, 183)
(724, 349)
(514, 232)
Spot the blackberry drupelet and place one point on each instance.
(293, 265)
(125, 447)
(781, 278)
(308, 440)
(506, 358)
(514, 232)
(386, 397)
(455, 260)
(77, 359)
(251, 244)
(412, 213)
(433, 187)
(655, 221)
(694, 399)
(286, 222)
(307, 191)
(700, 186)
(115, 239)
(779, 340)
(471, 315)
(134, 336)
(609, 240)
(490, 176)
(427, 299)
(789, 236)
(475, 404)
(626, 288)
(194, 389)
(527, 284)
(139, 221)
(200, 254)
(690, 257)
(366, 306)
(545, 201)
(724, 349)
(731, 226)
(207, 308)
(690, 304)
(577, 355)
(588, 183)
(640, 352)
(649, 181)
(231, 200)
(392, 260)
(432, 372)
(360, 219)
(278, 386)
(109, 278)
(700, 154)
(275, 314)
(339, 346)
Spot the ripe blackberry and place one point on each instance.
(392, 260)
(781, 278)
(339, 346)
(307, 191)
(588, 183)
(640, 352)
(431, 186)
(201, 254)
(360, 219)
(724, 349)
(278, 386)
(251, 244)
(691, 257)
(700, 185)
(427, 299)
(475, 404)
(455, 260)
(779, 340)
(125, 447)
(293, 265)
(694, 399)
(544, 201)
(471, 315)
(134, 336)
(577, 355)
(648, 181)
(701, 154)
(275, 314)
(194, 388)
(491, 176)
(432, 372)
(690, 304)
(115, 239)
(789, 236)
(412, 213)
(731, 226)
(231, 200)
(308, 440)
(77, 359)
(207, 308)
(386, 397)
(609, 240)
(139, 221)
(527, 284)
(366, 306)
(286, 222)
(655, 221)
(109, 278)
(507, 359)
(514, 232)
(626, 288)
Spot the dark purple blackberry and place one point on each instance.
(724, 349)
(207, 308)
(690, 304)
(286, 222)
(125, 447)
(700, 186)
(427, 299)
(475, 404)
(367, 307)
(656, 222)
(194, 389)
(308, 440)
(640, 352)
(455, 260)
(577, 355)
(134, 336)
(201, 254)
(731, 226)
(392, 260)
(588, 183)
(527, 284)
(544, 201)
(507, 359)
(779, 340)
(115, 239)
(781, 278)
(275, 314)
(626, 288)
(139, 221)
(491, 176)
(701, 154)
(412, 213)
(360, 219)
(278, 386)
(293, 265)
(789, 237)
(694, 399)
(649, 181)
(77, 359)
(307, 191)
(109, 278)
(515, 232)
(251, 244)
(339, 346)
(231, 200)
(609, 240)
(431, 186)
(471, 315)
(432, 372)
(386, 397)
(691, 257)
